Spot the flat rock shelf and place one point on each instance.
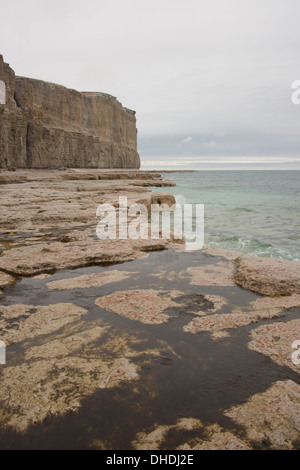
(137, 345)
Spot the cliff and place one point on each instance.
(43, 125)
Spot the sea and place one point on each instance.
(254, 212)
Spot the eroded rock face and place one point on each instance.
(43, 125)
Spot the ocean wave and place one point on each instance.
(253, 246)
(251, 212)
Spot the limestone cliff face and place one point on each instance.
(44, 125)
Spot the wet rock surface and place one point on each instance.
(218, 275)
(205, 437)
(260, 309)
(85, 282)
(271, 419)
(145, 306)
(6, 279)
(164, 351)
(276, 341)
(19, 322)
(51, 224)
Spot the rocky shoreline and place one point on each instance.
(57, 359)
(47, 216)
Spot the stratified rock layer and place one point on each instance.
(43, 125)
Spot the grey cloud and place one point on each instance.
(202, 69)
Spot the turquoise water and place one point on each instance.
(256, 212)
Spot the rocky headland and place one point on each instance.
(44, 125)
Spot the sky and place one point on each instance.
(210, 80)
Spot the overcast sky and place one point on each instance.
(210, 80)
